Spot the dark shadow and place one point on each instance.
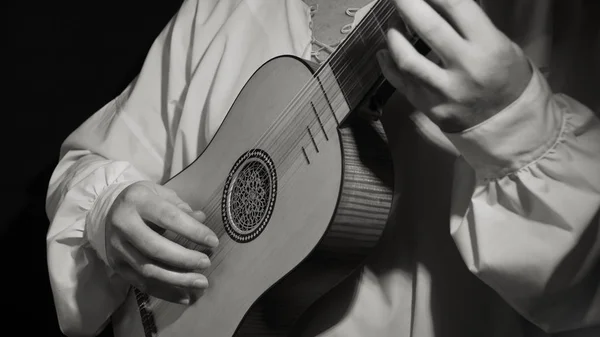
(63, 61)
(335, 305)
(25, 276)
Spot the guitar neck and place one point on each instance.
(354, 63)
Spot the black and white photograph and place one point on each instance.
(301, 168)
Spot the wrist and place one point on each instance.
(95, 222)
(457, 123)
(480, 110)
(515, 136)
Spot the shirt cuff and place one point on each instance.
(95, 221)
(515, 137)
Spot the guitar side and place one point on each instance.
(360, 218)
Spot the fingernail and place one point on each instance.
(382, 57)
(186, 207)
(212, 240)
(200, 216)
(205, 262)
(185, 301)
(200, 283)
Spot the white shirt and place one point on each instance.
(525, 193)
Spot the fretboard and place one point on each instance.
(354, 63)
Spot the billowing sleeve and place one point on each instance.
(209, 49)
(128, 140)
(85, 291)
(97, 161)
(526, 201)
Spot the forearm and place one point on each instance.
(86, 292)
(526, 203)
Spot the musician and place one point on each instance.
(512, 251)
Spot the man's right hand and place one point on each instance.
(138, 252)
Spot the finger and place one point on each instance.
(432, 28)
(390, 71)
(409, 60)
(159, 248)
(199, 216)
(161, 291)
(172, 197)
(168, 216)
(152, 272)
(468, 17)
(164, 291)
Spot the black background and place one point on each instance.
(63, 61)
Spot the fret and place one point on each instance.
(360, 39)
(354, 63)
(333, 106)
(318, 117)
(352, 72)
(379, 25)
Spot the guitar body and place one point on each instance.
(295, 216)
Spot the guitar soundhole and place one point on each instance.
(249, 196)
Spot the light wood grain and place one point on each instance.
(329, 212)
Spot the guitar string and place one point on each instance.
(282, 168)
(291, 125)
(323, 114)
(218, 200)
(299, 160)
(310, 88)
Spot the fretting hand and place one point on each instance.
(138, 252)
(482, 71)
